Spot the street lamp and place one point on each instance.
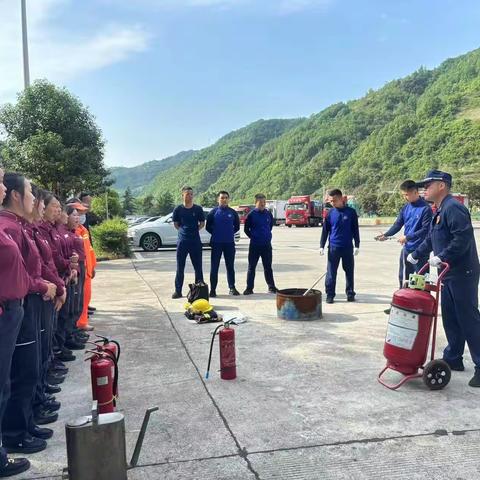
(26, 69)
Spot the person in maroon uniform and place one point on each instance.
(13, 288)
(43, 402)
(24, 375)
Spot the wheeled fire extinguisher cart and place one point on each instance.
(412, 326)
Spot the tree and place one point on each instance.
(54, 140)
(108, 201)
(147, 205)
(165, 203)
(129, 206)
(208, 199)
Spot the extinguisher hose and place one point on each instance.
(211, 349)
(118, 346)
(111, 355)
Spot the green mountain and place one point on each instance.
(203, 170)
(428, 119)
(137, 178)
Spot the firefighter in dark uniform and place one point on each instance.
(452, 240)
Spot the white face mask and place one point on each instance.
(82, 218)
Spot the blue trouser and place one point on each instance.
(10, 323)
(228, 251)
(335, 254)
(406, 268)
(255, 252)
(461, 318)
(24, 374)
(194, 249)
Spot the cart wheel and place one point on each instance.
(436, 374)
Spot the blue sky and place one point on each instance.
(168, 75)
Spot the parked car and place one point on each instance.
(150, 236)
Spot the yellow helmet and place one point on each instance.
(201, 306)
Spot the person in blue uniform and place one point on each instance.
(415, 217)
(188, 219)
(222, 224)
(341, 230)
(452, 241)
(258, 228)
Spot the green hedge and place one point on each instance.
(110, 237)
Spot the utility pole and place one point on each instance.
(26, 68)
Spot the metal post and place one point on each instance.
(26, 68)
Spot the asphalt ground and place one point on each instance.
(306, 403)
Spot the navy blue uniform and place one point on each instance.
(415, 217)
(222, 224)
(341, 228)
(189, 242)
(258, 228)
(451, 239)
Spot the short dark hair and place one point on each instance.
(83, 195)
(336, 192)
(38, 193)
(223, 192)
(74, 200)
(186, 188)
(13, 181)
(69, 209)
(259, 196)
(48, 197)
(408, 186)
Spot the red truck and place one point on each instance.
(303, 211)
(243, 211)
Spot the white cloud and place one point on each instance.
(55, 53)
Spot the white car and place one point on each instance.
(151, 236)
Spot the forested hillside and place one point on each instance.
(137, 178)
(428, 119)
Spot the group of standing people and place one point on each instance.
(222, 222)
(46, 267)
(442, 234)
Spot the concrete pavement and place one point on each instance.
(306, 403)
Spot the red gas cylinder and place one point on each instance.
(103, 373)
(228, 368)
(408, 332)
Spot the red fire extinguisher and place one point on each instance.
(104, 375)
(228, 367)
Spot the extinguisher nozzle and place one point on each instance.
(206, 375)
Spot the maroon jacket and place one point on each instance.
(78, 246)
(51, 234)
(49, 270)
(14, 277)
(16, 228)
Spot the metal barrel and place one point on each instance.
(292, 305)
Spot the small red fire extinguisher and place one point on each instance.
(104, 375)
(228, 367)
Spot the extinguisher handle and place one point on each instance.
(446, 268)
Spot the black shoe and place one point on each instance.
(177, 295)
(329, 300)
(14, 466)
(81, 340)
(58, 369)
(72, 344)
(233, 291)
(272, 289)
(213, 293)
(475, 380)
(248, 291)
(55, 379)
(49, 397)
(387, 311)
(93, 309)
(43, 433)
(350, 298)
(51, 406)
(53, 389)
(28, 445)
(456, 366)
(44, 417)
(66, 357)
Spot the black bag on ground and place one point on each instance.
(197, 290)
